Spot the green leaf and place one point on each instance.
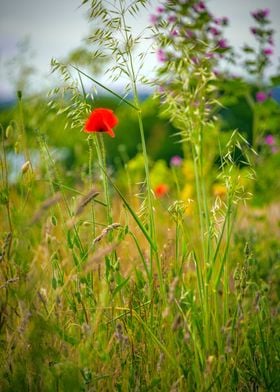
(120, 286)
(54, 283)
(76, 260)
(69, 240)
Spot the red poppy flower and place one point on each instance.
(161, 190)
(101, 120)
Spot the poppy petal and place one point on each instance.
(108, 129)
(101, 120)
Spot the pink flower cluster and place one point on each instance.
(200, 6)
(176, 160)
(214, 31)
(262, 33)
(268, 51)
(184, 22)
(161, 56)
(270, 140)
(221, 21)
(261, 14)
(222, 43)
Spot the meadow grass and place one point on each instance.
(105, 285)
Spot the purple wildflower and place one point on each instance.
(172, 19)
(270, 41)
(160, 9)
(174, 33)
(161, 56)
(176, 160)
(222, 43)
(195, 60)
(268, 51)
(221, 21)
(270, 140)
(261, 96)
(214, 31)
(153, 19)
(254, 30)
(190, 34)
(200, 6)
(259, 15)
(266, 12)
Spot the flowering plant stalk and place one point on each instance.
(188, 93)
(257, 64)
(100, 121)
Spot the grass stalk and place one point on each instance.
(50, 163)
(5, 179)
(152, 229)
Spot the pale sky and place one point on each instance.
(54, 27)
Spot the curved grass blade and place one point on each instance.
(137, 220)
(105, 88)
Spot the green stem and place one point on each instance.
(22, 130)
(230, 224)
(100, 151)
(199, 201)
(90, 167)
(105, 181)
(177, 249)
(175, 177)
(204, 196)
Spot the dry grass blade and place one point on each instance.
(46, 205)
(85, 200)
(106, 231)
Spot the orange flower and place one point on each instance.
(101, 120)
(161, 190)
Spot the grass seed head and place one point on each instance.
(25, 167)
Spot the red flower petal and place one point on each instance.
(101, 120)
(161, 190)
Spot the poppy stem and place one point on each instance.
(105, 181)
(90, 166)
(101, 156)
